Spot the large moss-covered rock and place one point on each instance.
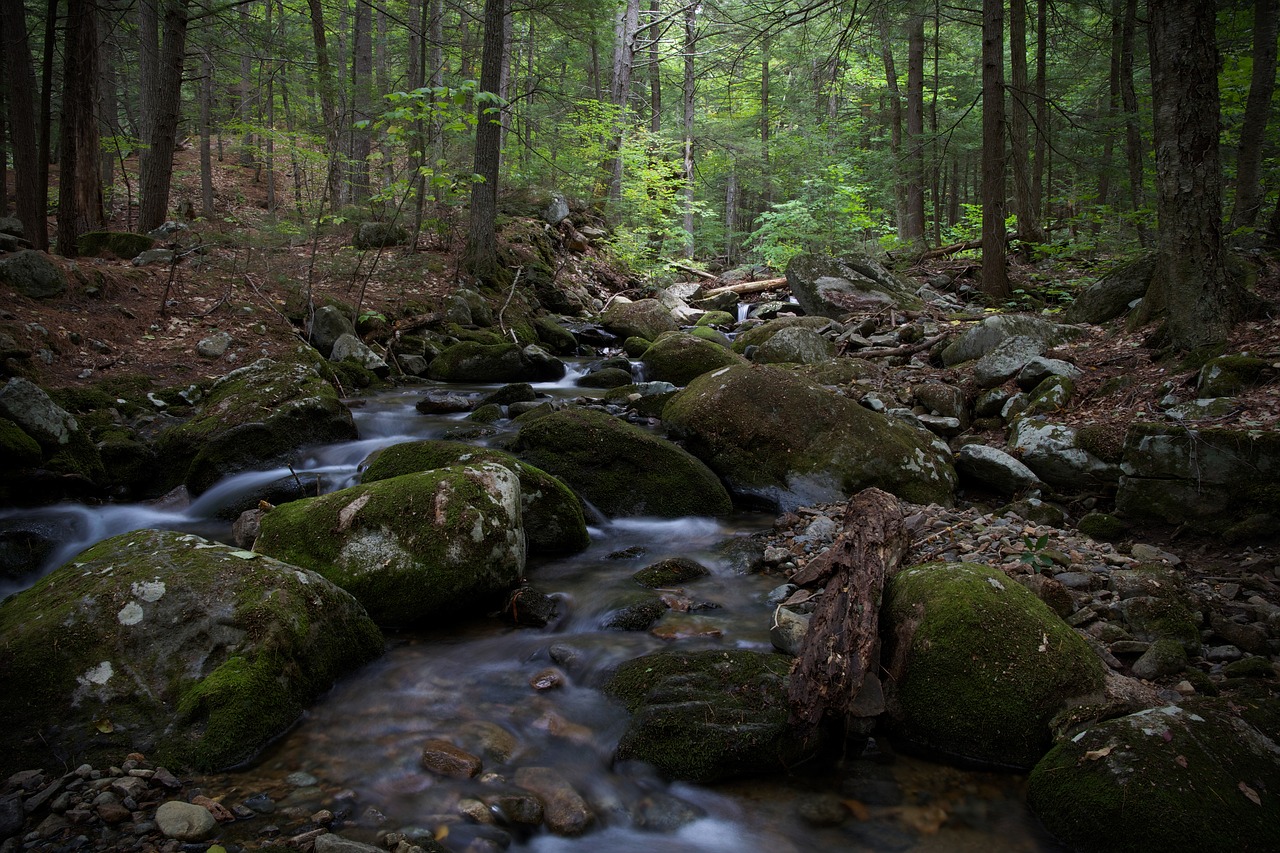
(758, 335)
(471, 361)
(978, 665)
(1111, 295)
(254, 417)
(795, 345)
(777, 437)
(122, 244)
(679, 357)
(420, 546)
(191, 652)
(709, 715)
(65, 449)
(645, 318)
(620, 468)
(32, 274)
(833, 287)
(994, 330)
(551, 512)
(1216, 481)
(1203, 775)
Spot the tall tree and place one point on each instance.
(80, 178)
(480, 258)
(29, 193)
(995, 273)
(625, 29)
(1134, 151)
(1025, 203)
(690, 46)
(1191, 286)
(162, 109)
(1253, 130)
(914, 225)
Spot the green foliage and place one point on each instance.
(1035, 556)
(830, 215)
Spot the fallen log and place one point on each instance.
(695, 271)
(748, 287)
(903, 349)
(842, 645)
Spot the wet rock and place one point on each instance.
(833, 287)
(162, 647)
(470, 361)
(822, 810)
(609, 377)
(565, 811)
(530, 608)
(671, 572)
(645, 318)
(445, 759)
(661, 812)
(412, 547)
(1139, 782)
(978, 666)
(443, 403)
(639, 616)
(703, 716)
(517, 808)
(679, 358)
(184, 821)
(333, 843)
(621, 469)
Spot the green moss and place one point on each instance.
(554, 337)
(715, 336)
(1253, 666)
(17, 449)
(679, 357)
(986, 664)
(717, 318)
(670, 572)
(1051, 395)
(1102, 527)
(635, 347)
(1105, 441)
(757, 335)
(121, 244)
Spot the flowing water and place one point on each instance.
(471, 682)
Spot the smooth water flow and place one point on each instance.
(471, 681)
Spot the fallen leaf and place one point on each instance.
(1182, 761)
(1167, 735)
(1095, 754)
(1250, 793)
(107, 727)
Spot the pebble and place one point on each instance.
(184, 821)
(300, 779)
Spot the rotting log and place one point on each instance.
(748, 287)
(842, 644)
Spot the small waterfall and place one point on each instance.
(743, 308)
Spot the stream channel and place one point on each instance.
(362, 741)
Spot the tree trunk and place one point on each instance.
(155, 166)
(765, 121)
(206, 152)
(1253, 130)
(690, 45)
(361, 100)
(841, 650)
(655, 69)
(995, 274)
(1191, 285)
(914, 224)
(80, 178)
(731, 217)
(624, 54)
(4, 146)
(109, 117)
(895, 125)
(1025, 204)
(481, 256)
(1133, 148)
(1042, 113)
(29, 194)
(328, 99)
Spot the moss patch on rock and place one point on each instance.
(552, 514)
(440, 543)
(1204, 775)
(979, 666)
(160, 642)
(679, 357)
(620, 468)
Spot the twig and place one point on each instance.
(511, 293)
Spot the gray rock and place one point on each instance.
(942, 399)
(350, 348)
(456, 310)
(987, 335)
(375, 235)
(1040, 368)
(1051, 451)
(833, 287)
(469, 361)
(214, 346)
(155, 256)
(994, 469)
(11, 225)
(990, 403)
(33, 275)
(795, 345)
(333, 843)
(565, 811)
(556, 210)
(1112, 295)
(329, 323)
(184, 821)
(27, 405)
(646, 318)
(412, 365)
(1006, 359)
(788, 630)
(1162, 658)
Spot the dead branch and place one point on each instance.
(904, 349)
(695, 271)
(842, 645)
(748, 287)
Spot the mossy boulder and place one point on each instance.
(551, 512)
(554, 336)
(835, 286)
(1228, 375)
(121, 244)
(757, 335)
(978, 665)
(679, 357)
(32, 274)
(644, 318)
(254, 417)
(1202, 775)
(440, 543)
(606, 377)
(66, 449)
(794, 345)
(717, 318)
(1220, 482)
(470, 361)
(164, 643)
(17, 449)
(710, 715)
(778, 438)
(620, 468)
(1111, 295)
(994, 330)
(670, 572)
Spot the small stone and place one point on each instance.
(260, 803)
(214, 346)
(184, 821)
(822, 810)
(1229, 590)
(567, 813)
(445, 759)
(300, 779)
(113, 813)
(220, 813)
(1220, 654)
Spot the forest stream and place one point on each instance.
(356, 752)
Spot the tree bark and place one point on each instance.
(1025, 203)
(1041, 145)
(842, 646)
(328, 99)
(914, 221)
(361, 98)
(80, 178)
(481, 256)
(155, 166)
(995, 274)
(1253, 129)
(766, 122)
(895, 125)
(624, 54)
(1134, 152)
(690, 45)
(1191, 285)
(655, 69)
(29, 193)
(206, 151)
